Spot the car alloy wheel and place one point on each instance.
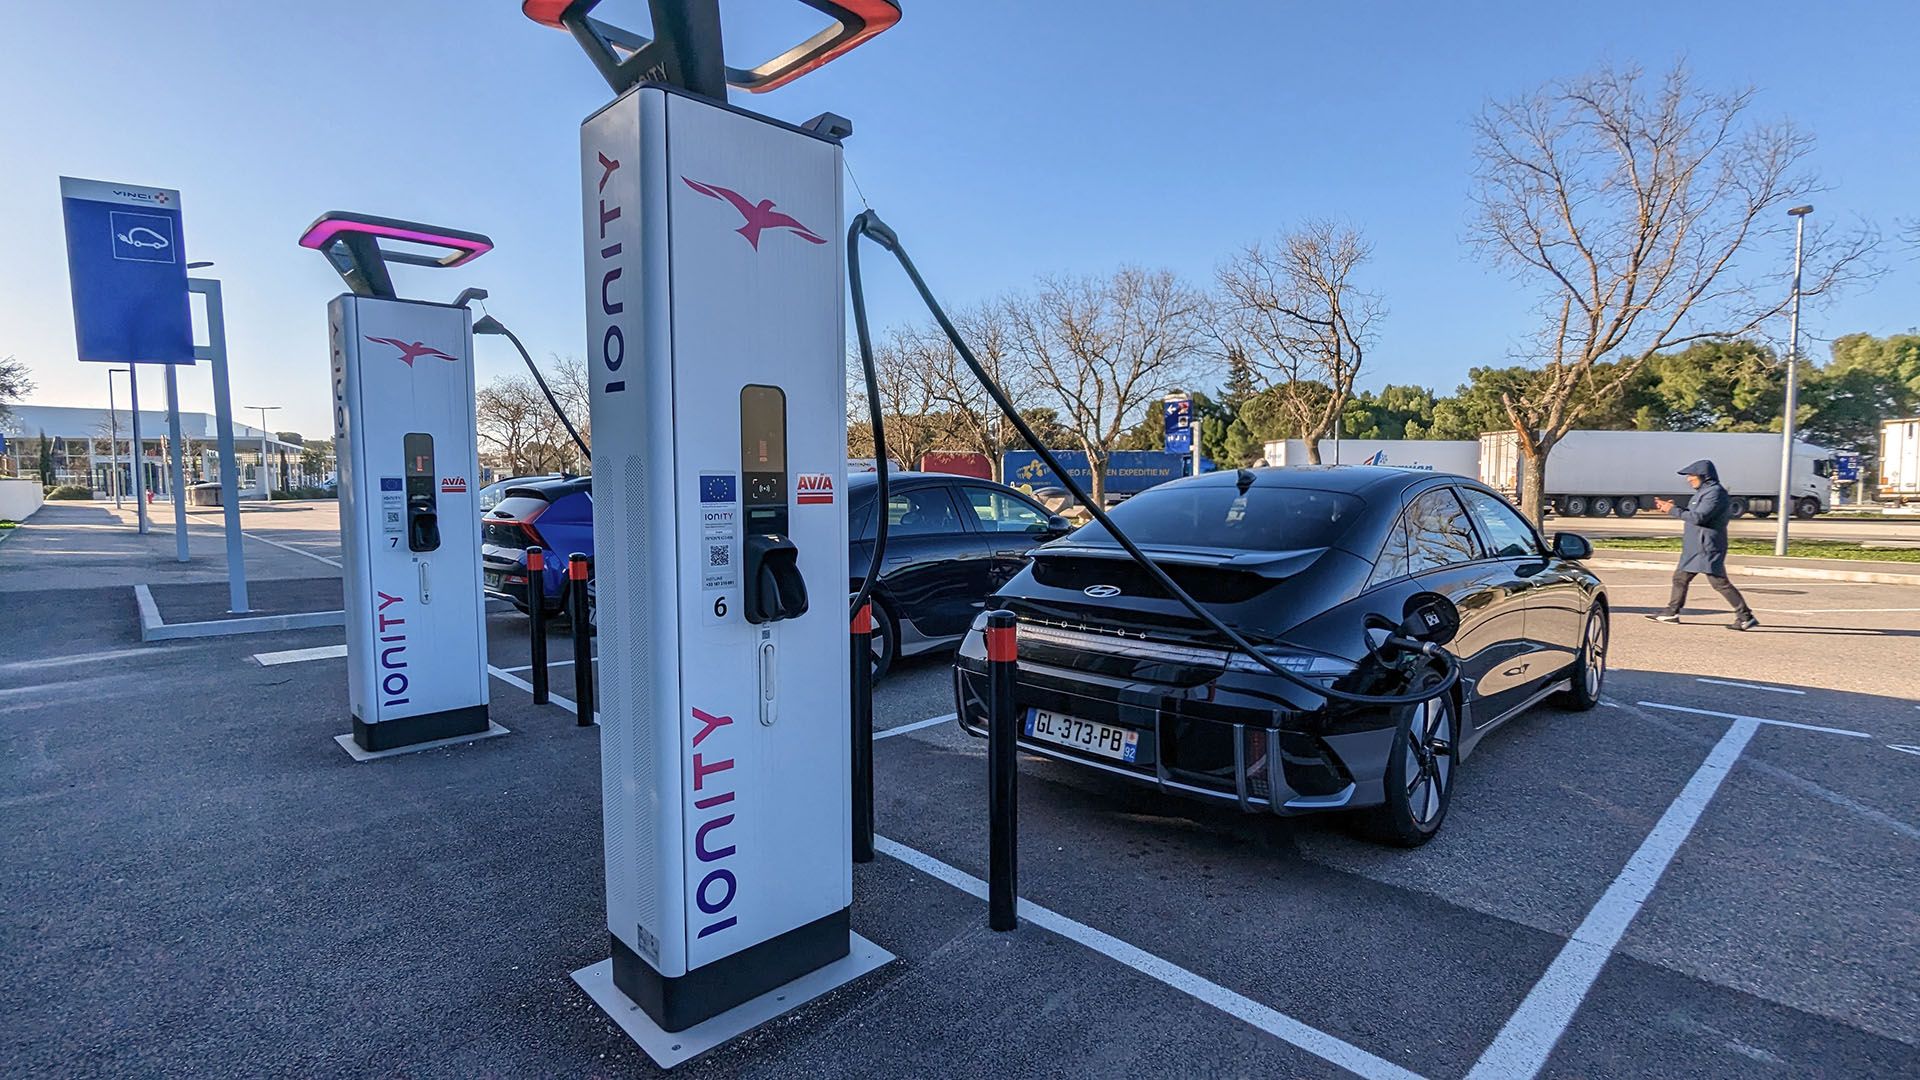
(1596, 644)
(1429, 764)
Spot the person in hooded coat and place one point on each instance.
(1703, 549)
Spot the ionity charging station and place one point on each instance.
(409, 524)
(716, 343)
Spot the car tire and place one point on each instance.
(886, 640)
(1419, 777)
(1589, 671)
(1599, 506)
(565, 610)
(1574, 506)
(1806, 506)
(1736, 507)
(1626, 506)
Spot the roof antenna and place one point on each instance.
(1243, 480)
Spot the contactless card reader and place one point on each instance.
(409, 524)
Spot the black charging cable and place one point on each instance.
(868, 224)
(873, 414)
(487, 324)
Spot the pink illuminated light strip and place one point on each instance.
(324, 233)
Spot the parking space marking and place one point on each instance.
(550, 663)
(296, 656)
(1755, 719)
(511, 679)
(1750, 686)
(290, 547)
(1832, 610)
(1275, 1023)
(1529, 1035)
(902, 729)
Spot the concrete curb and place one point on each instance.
(154, 628)
(1803, 573)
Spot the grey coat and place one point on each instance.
(1703, 549)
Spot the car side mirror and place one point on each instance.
(1572, 546)
(1056, 526)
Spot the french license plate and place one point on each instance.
(492, 578)
(1107, 740)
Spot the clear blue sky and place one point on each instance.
(1004, 139)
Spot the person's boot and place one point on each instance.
(1744, 621)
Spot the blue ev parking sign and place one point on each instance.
(129, 273)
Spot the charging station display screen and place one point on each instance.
(763, 457)
(418, 447)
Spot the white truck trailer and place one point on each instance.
(1458, 456)
(1900, 461)
(1597, 473)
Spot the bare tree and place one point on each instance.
(1634, 205)
(573, 387)
(973, 420)
(1293, 311)
(904, 365)
(1104, 348)
(509, 412)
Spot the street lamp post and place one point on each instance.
(266, 489)
(1784, 508)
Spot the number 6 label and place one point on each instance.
(717, 608)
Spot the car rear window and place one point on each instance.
(518, 506)
(1215, 516)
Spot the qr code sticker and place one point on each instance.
(719, 555)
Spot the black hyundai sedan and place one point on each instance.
(1308, 564)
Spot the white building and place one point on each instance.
(93, 448)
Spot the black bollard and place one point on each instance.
(861, 645)
(537, 620)
(582, 639)
(1003, 857)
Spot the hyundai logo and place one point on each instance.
(1102, 591)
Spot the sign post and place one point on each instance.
(215, 353)
(1182, 430)
(129, 277)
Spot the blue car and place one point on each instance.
(555, 515)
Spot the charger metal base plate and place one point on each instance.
(670, 1048)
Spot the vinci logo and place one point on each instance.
(813, 488)
(413, 350)
(759, 216)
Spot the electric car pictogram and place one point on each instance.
(142, 237)
(759, 215)
(1309, 564)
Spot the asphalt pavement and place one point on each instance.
(1710, 875)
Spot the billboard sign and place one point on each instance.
(126, 261)
(1129, 472)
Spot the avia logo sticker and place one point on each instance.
(453, 485)
(413, 350)
(813, 488)
(759, 216)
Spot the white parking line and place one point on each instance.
(551, 663)
(1529, 1035)
(1832, 610)
(296, 656)
(290, 547)
(1751, 686)
(1275, 1023)
(1755, 719)
(902, 729)
(511, 679)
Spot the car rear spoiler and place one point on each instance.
(1266, 564)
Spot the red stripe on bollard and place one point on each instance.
(577, 567)
(1002, 646)
(536, 560)
(863, 619)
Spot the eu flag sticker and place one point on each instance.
(718, 488)
(391, 483)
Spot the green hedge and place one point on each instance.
(69, 491)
